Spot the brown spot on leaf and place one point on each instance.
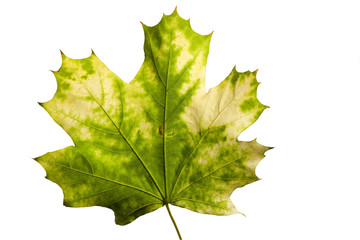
(160, 131)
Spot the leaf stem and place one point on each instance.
(173, 220)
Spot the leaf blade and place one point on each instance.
(161, 135)
(85, 189)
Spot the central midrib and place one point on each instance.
(164, 121)
(165, 84)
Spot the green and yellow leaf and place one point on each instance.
(160, 139)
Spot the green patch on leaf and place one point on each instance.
(160, 139)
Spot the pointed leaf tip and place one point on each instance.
(175, 10)
(61, 52)
(234, 69)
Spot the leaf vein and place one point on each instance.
(197, 201)
(199, 179)
(104, 179)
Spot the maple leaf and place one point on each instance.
(160, 139)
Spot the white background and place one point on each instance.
(308, 56)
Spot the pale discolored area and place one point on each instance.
(233, 103)
(87, 84)
(160, 139)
